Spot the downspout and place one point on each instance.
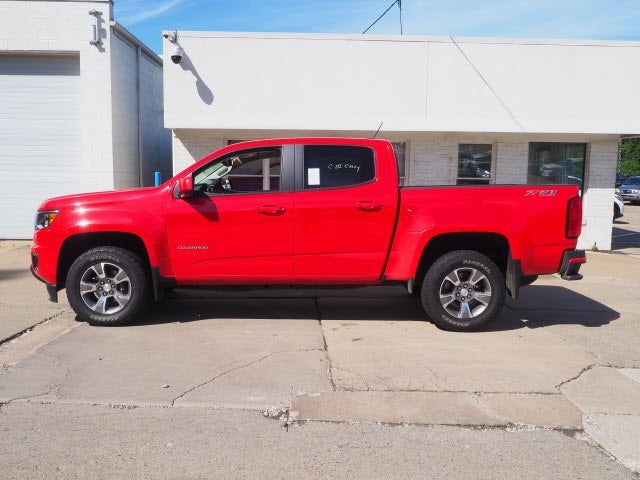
(139, 97)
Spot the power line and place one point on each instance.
(399, 2)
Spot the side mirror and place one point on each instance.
(185, 187)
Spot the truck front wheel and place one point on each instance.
(107, 286)
(463, 290)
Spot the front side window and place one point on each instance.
(474, 164)
(248, 171)
(552, 163)
(331, 166)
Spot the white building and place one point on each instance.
(463, 110)
(80, 107)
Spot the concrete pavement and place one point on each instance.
(563, 357)
(22, 303)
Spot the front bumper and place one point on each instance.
(571, 262)
(52, 289)
(630, 195)
(40, 265)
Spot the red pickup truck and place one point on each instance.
(306, 211)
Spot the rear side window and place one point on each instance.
(331, 166)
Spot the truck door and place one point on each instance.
(237, 227)
(344, 215)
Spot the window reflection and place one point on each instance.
(552, 163)
(474, 164)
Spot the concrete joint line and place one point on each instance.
(609, 414)
(419, 390)
(239, 367)
(506, 427)
(32, 327)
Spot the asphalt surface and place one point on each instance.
(625, 236)
(326, 384)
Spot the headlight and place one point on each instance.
(45, 219)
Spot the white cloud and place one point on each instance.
(135, 11)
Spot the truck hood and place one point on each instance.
(100, 198)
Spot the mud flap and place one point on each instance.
(513, 275)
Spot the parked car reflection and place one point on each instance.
(630, 189)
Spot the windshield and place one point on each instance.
(632, 181)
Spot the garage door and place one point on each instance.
(40, 138)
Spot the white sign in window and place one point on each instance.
(313, 176)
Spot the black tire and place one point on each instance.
(462, 291)
(107, 286)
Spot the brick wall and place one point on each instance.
(511, 161)
(192, 145)
(432, 163)
(597, 216)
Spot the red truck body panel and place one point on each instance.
(361, 234)
(532, 223)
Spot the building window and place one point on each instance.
(329, 166)
(400, 149)
(474, 164)
(552, 163)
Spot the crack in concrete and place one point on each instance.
(436, 378)
(54, 389)
(51, 390)
(357, 376)
(584, 370)
(324, 341)
(240, 367)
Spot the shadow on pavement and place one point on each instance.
(546, 305)
(538, 306)
(623, 238)
(12, 273)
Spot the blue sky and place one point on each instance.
(557, 19)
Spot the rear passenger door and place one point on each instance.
(343, 216)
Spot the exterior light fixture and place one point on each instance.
(97, 32)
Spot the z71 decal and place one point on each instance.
(540, 193)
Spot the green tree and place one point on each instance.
(630, 156)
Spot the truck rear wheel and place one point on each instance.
(107, 286)
(462, 291)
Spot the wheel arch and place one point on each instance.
(493, 245)
(74, 246)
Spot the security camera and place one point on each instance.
(176, 56)
(171, 36)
